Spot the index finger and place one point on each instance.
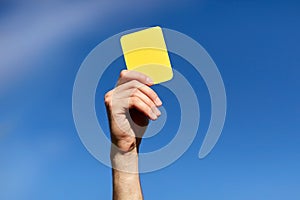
(129, 75)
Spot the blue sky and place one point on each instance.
(255, 45)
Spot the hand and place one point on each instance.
(129, 106)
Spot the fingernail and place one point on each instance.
(153, 116)
(158, 102)
(156, 111)
(149, 81)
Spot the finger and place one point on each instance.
(135, 102)
(108, 97)
(126, 89)
(120, 93)
(151, 94)
(129, 75)
(146, 100)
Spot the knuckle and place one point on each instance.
(155, 96)
(142, 87)
(136, 100)
(133, 100)
(135, 83)
(107, 98)
(148, 110)
(152, 94)
(150, 103)
(134, 92)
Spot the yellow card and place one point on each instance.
(145, 51)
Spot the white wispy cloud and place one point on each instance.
(33, 25)
(25, 33)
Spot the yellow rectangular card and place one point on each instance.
(145, 51)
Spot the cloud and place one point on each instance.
(27, 32)
(29, 28)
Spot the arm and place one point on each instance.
(129, 105)
(126, 185)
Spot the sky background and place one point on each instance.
(255, 45)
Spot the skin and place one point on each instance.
(130, 106)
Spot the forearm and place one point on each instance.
(129, 106)
(126, 181)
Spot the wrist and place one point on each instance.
(127, 144)
(124, 161)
